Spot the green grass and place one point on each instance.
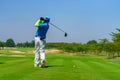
(59, 67)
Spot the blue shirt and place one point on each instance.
(42, 30)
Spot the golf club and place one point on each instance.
(59, 29)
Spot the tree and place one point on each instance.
(10, 42)
(2, 45)
(92, 42)
(32, 43)
(116, 41)
(111, 49)
(116, 36)
(103, 43)
(92, 46)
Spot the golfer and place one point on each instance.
(42, 27)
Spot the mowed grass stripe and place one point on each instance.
(92, 67)
(59, 66)
(16, 68)
(52, 70)
(107, 70)
(86, 71)
(100, 69)
(104, 66)
(62, 68)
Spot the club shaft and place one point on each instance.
(57, 27)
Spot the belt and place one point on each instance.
(40, 37)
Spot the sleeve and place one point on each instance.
(42, 25)
(38, 22)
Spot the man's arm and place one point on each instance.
(42, 25)
(38, 22)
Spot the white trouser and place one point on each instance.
(39, 51)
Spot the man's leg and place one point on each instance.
(37, 52)
(36, 60)
(42, 53)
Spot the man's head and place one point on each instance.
(47, 19)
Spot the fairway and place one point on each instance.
(59, 67)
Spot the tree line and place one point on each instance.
(101, 47)
(11, 43)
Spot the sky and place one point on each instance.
(83, 20)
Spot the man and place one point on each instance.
(42, 27)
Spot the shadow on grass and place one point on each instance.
(50, 66)
(1, 63)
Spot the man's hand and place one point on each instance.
(41, 18)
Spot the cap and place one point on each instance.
(47, 18)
